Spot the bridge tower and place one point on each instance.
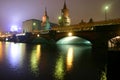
(64, 19)
(45, 21)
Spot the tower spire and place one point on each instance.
(45, 12)
(64, 20)
(65, 7)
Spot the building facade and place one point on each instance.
(32, 25)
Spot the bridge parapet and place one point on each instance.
(87, 26)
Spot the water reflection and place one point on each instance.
(69, 60)
(15, 53)
(38, 62)
(59, 68)
(35, 59)
(1, 52)
(69, 57)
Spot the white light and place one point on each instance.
(106, 8)
(70, 34)
(118, 37)
(38, 35)
(6, 39)
(14, 28)
(34, 24)
(59, 17)
(22, 34)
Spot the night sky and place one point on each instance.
(14, 12)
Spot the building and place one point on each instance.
(32, 25)
(64, 19)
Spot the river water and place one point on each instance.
(20, 61)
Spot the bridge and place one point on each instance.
(105, 35)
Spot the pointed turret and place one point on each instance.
(64, 20)
(45, 21)
(65, 7)
(45, 16)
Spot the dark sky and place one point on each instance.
(14, 12)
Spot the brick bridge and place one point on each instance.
(97, 35)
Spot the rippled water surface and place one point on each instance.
(19, 61)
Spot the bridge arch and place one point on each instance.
(114, 42)
(40, 40)
(73, 40)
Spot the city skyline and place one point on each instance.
(14, 12)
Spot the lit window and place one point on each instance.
(34, 24)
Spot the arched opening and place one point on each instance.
(40, 40)
(74, 40)
(114, 42)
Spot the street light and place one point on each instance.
(106, 9)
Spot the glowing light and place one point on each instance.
(59, 69)
(44, 19)
(70, 34)
(14, 28)
(59, 17)
(73, 40)
(69, 59)
(6, 39)
(34, 24)
(21, 34)
(15, 57)
(38, 35)
(118, 37)
(106, 7)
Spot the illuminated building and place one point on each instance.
(32, 25)
(64, 19)
(45, 25)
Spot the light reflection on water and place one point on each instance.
(59, 68)
(1, 52)
(35, 59)
(15, 54)
(70, 57)
(67, 62)
(68, 54)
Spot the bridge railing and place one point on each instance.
(86, 26)
(44, 31)
(68, 29)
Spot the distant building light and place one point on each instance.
(14, 28)
(34, 24)
(38, 35)
(6, 39)
(118, 37)
(22, 34)
(59, 17)
(106, 7)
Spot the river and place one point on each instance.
(20, 61)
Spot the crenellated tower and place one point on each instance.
(64, 19)
(45, 21)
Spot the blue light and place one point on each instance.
(14, 28)
(73, 40)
